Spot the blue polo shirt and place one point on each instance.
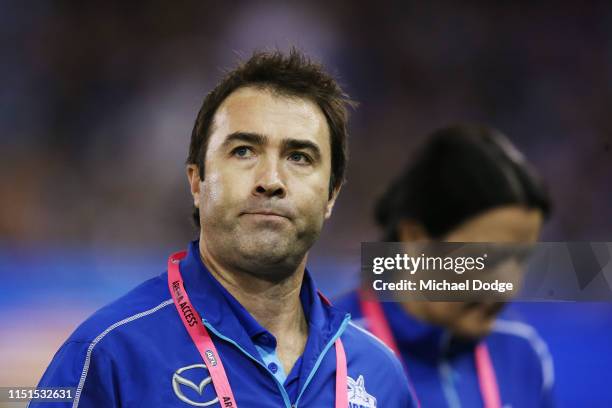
(443, 369)
(263, 340)
(135, 352)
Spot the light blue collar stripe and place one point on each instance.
(347, 318)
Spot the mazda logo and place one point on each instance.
(178, 380)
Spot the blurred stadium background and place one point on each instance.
(98, 101)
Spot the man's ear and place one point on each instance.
(330, 203)
(193, 176)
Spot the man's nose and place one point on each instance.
(270, 180)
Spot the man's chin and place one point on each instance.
(270, 258)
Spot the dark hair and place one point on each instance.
(292, 75)
(459, 171)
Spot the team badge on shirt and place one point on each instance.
(358, 397)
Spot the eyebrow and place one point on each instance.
(260, 140)
(248, 137)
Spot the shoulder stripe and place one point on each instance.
(382, 343)
(528, 333)
(77, 394)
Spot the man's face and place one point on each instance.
(265, 192)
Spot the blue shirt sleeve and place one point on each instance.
(90, 372)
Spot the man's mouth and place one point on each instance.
(265, 214)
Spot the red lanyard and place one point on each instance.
(203, 342)
(379, 326)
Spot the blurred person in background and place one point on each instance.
(467, 183)
(239, 309)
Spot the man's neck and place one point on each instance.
(274, 305)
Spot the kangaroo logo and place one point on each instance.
(358, 396)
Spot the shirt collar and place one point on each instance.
(217, 306)
(252, 327)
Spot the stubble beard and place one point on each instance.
(271, 254)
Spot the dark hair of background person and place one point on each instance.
(293, 75)
(459, 172)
